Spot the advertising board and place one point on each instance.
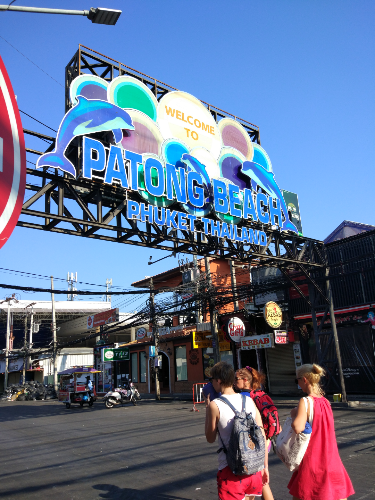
(281, 337)
(176, 166)
(102, 318)
(257, 342)
(202, 340)
(291, 200)
(141, 333)
(236, 329)
(118, 354)
(273, 314)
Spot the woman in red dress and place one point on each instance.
(321, 474)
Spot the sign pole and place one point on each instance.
(54, 338)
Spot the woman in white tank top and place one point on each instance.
(226, 421)
(220, 417)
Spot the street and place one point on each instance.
(154, 450)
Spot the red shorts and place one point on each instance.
(232, 487)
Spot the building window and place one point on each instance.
(142, 363)
(181, 364)
(134, 362)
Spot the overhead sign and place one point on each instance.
(102, 318)
(273, 314)
(281, 337)
(12, 158)
(141, 333)
(118, 354)
(257, 342)
(187, 169)
(236, 329)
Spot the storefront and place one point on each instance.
(180, 363)
(356, 335)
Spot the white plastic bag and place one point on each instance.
(291, 447)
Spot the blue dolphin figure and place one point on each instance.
(266, 181)
(195, 165)
(86, 117)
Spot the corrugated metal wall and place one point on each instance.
(352, 264)
(66, 361)
(281, 370)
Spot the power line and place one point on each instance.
(53, 130)
(42, 276)
(45, 72)
(78, 292)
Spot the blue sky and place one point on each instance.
(302, 71)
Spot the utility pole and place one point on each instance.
(236, 309)
(108, 283)
(24, 352)
(54, 338)
(195, 264)
(234, 285)
(335, 336)
(7, 347)
(215, 339)
(31, 333)
(155, 333)
(7, 341)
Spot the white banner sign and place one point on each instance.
(257, 342)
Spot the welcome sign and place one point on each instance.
(183, 165)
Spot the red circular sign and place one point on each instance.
(12, 158)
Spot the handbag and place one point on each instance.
(291, 447)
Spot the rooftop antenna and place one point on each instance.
(108, 283)
(71, 279)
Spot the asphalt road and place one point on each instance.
(152, 451)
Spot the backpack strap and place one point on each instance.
(243, 402)
(224, 400)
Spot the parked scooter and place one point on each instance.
(122, 395)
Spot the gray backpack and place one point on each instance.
(246, 449)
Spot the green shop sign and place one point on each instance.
(119, 354)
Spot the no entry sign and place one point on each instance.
(12, 158)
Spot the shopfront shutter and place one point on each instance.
(281, 370)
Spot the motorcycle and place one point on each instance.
(122, 395)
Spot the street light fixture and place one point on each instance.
(97, 15)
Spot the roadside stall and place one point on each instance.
(77, 387)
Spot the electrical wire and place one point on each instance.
(53, 130)
(43, 276)
(32, 62)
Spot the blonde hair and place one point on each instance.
(313, 374)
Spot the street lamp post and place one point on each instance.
(97, 15)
